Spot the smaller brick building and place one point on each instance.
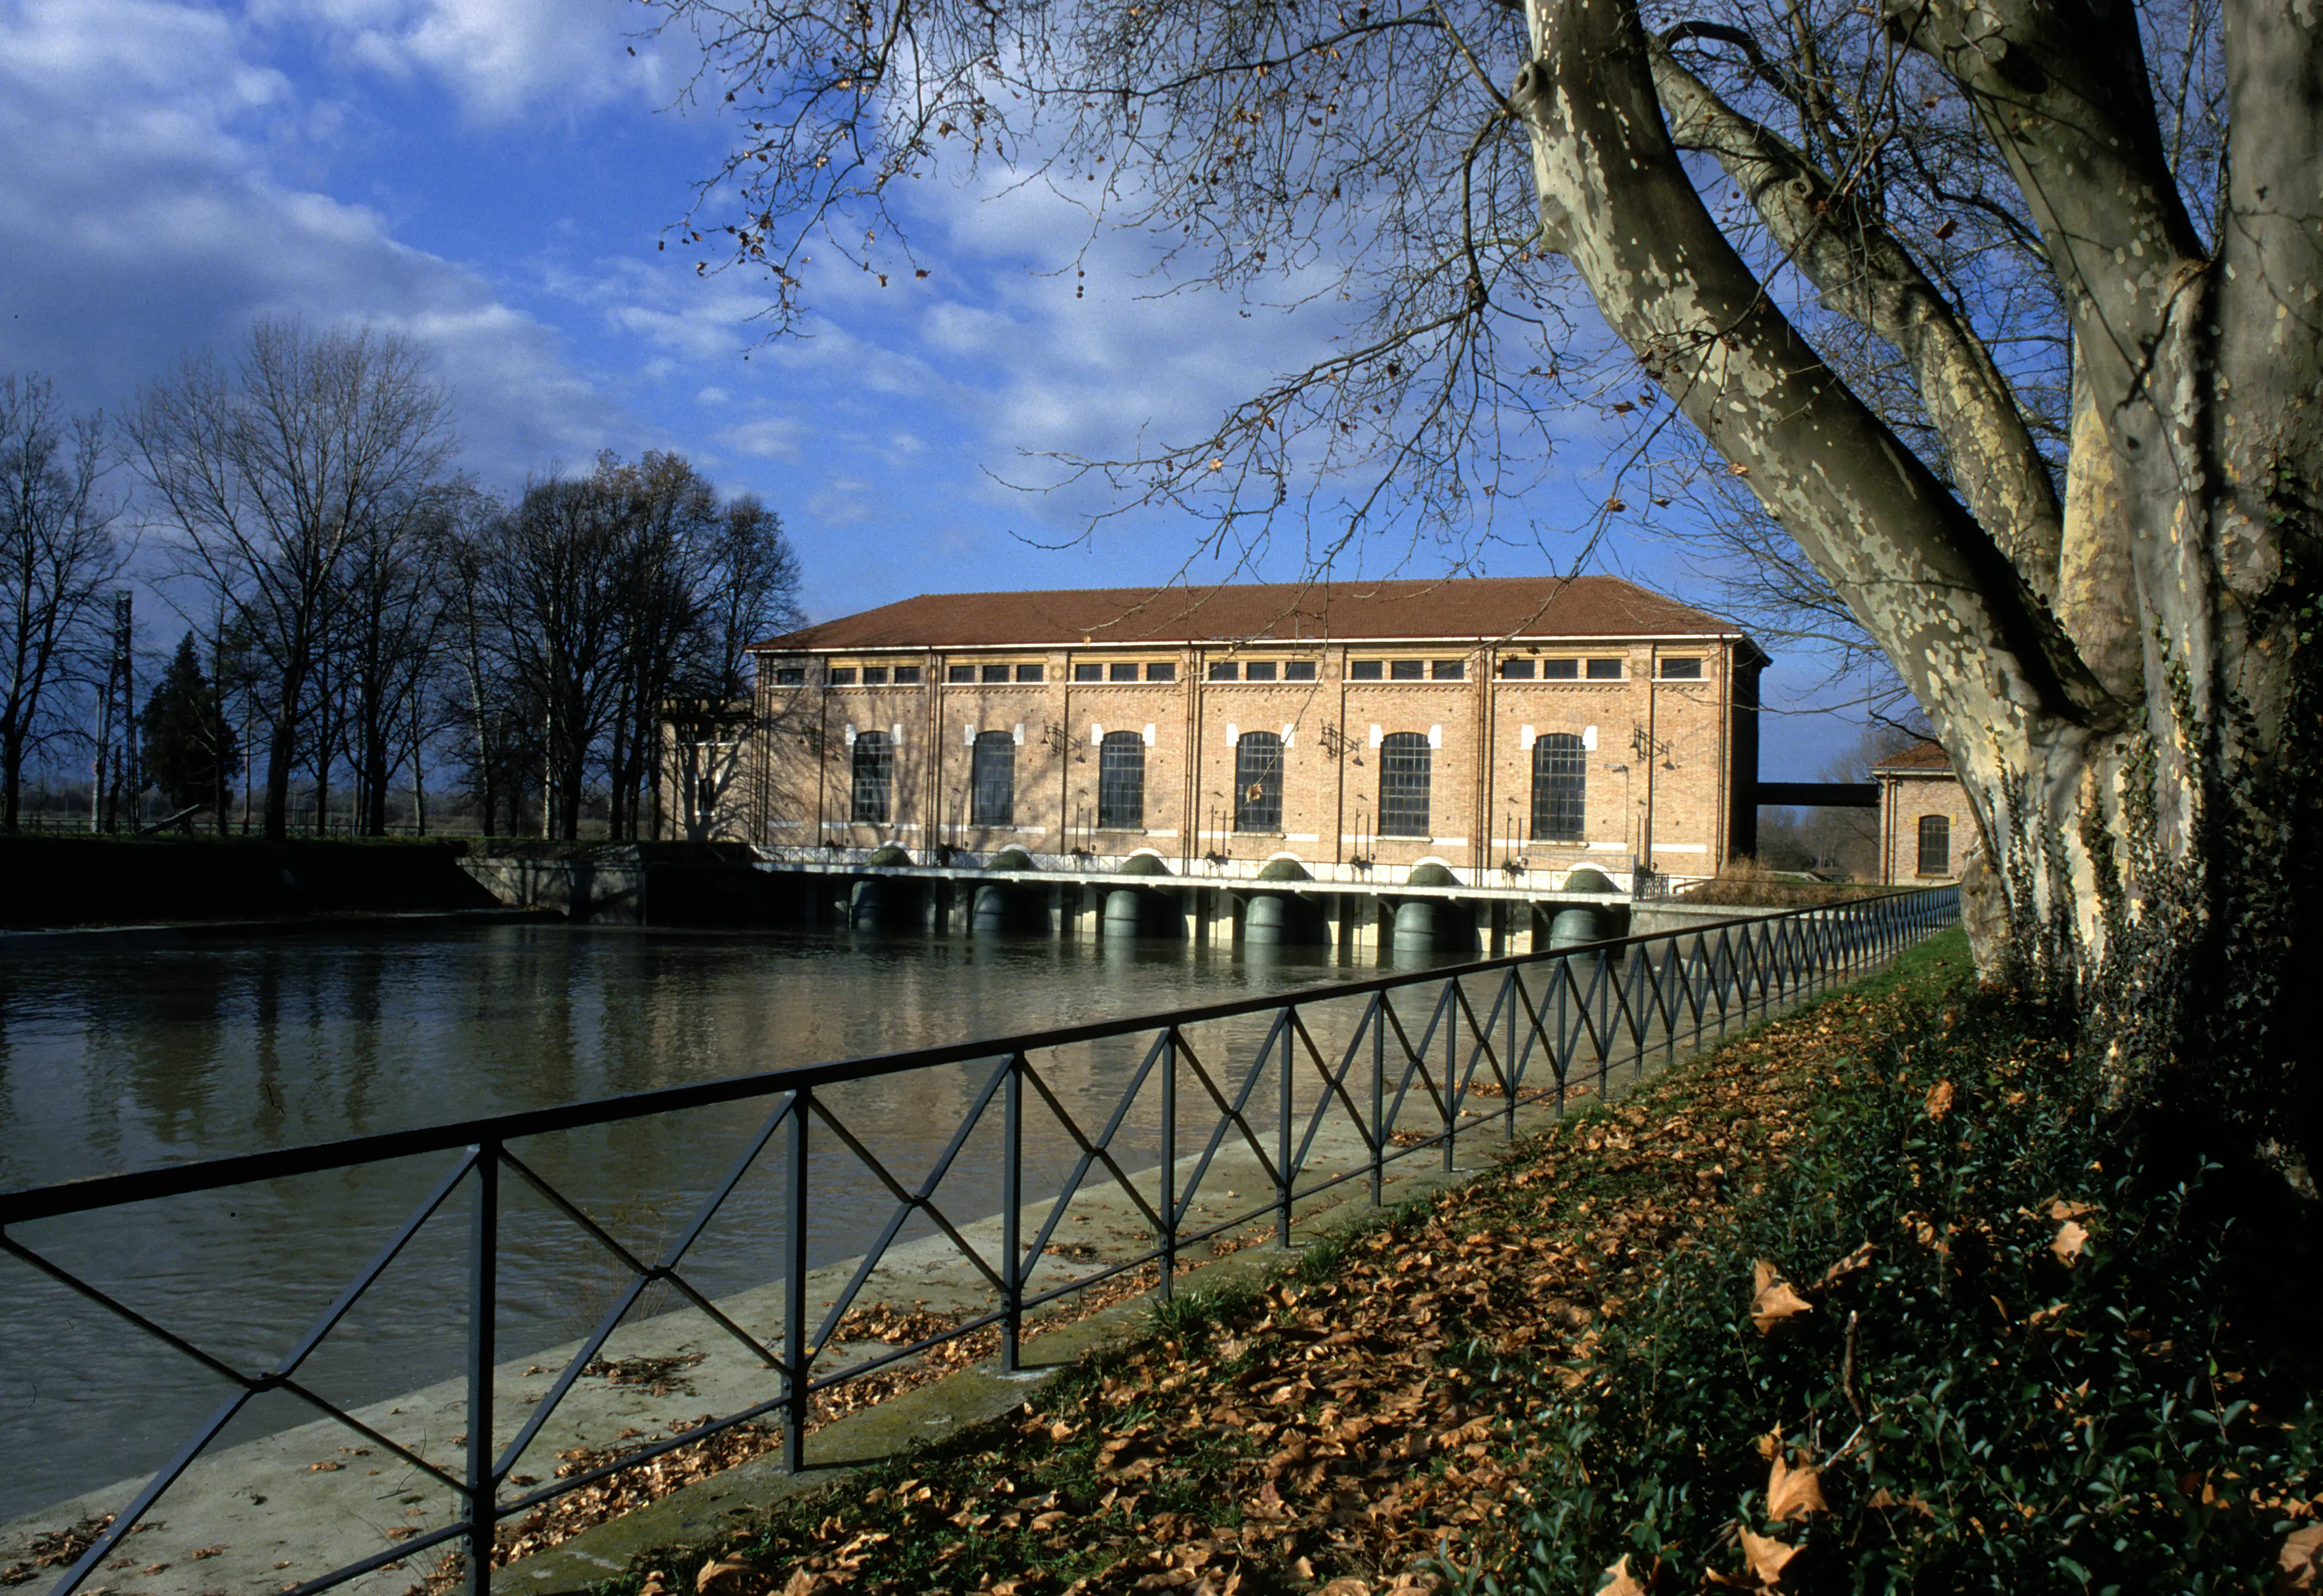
(1926, 828)
(1486, 725)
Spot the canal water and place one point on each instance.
(124, 1059)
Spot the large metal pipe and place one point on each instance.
(992, 914)
(1126, 913)
(1265, 921)
(1573, 927)
(1415, 926)
(1281, 920)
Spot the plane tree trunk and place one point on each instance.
(2123, 673)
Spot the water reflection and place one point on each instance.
(121, 1058)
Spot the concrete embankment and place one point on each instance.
(271, 1513)
(639, 883)
(290, 1505)
(57, 882)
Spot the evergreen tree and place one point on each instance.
(190, 750)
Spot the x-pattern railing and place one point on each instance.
(1551, 1016)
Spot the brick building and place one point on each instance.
(1926, 828)
(1525, 723)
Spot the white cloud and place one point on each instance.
(955, 328)
(768, 437)
(844, 501)
(141, 215)
(499, 59)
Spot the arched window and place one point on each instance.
(1121, 782)
(1935, 845)
(874, 777)
(1560, 781)
(1258, 781)
(1405, 773)
(992, 781)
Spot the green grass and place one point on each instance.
(1987, 1414)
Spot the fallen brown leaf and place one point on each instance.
(1766, 1558)
(1795, 1493)
(1772, 1299)
(1346, 1586)
(1853, 1264)
(1620, 1580)
(1939, 1100)
(2299, 1563)
(729, 1576)
(2071, 1239)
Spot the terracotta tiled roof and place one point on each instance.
(1926, 755)
(1530, 607)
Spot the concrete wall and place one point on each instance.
(645, 883)
(61, 881)
(1670, 769)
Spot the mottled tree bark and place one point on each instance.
(2122, 672)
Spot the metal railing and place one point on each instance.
(1529, 1029)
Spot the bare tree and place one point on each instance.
(706, 579)
(751, 575)
(273, 474)
(750, 580)
(666, 511)
(602, 602)
(2073, 242)
(390, 619)
(499, 722)
(551, 577)
(56, 550)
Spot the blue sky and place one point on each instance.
(492, 176)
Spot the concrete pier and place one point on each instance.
(1429, 911)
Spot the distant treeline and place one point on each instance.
(366, 620)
